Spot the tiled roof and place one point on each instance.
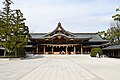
(92, 46)
(112, 47)
(60, 31)
(94, 36)
(38, 35)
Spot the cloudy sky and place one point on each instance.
(75, 15)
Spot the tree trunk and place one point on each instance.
(4, 53)
(15, 53)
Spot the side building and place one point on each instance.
(112, 51)
(60, 41)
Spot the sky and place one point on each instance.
(76, 16)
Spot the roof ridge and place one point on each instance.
(38, 33)
(85, 33)
(67, 31)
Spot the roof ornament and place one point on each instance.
(59, 24)
(59, 30)
(59, 27)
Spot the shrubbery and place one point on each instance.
(18, 53)
(21, 52)
(94, 52)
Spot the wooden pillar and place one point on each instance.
(66, 49)
(44, 49)
(74, 49)
(118, 53)
(81, 49)
(113, 54)
(52, 49)
(37, 50)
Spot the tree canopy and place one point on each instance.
(113, 33)
(14, 33)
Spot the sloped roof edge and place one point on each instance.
(112, 47)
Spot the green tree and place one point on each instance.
(5, 28)
(14, 34)
(102, 34)
(94, 52)
(116, 17)
(113, 33)
(20, 31)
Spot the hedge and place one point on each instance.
(94, 52)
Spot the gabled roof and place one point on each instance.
(59, 30)
(94, 37)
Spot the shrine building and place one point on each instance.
(60, 41)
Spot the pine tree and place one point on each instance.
(113, 33)
(5, 28)
(20, 33)
(116, 27)
(116, 17)
(14, 34)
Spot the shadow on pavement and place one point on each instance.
(33, 57)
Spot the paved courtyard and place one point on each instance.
(61, 67)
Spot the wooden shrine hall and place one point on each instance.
(60, 41)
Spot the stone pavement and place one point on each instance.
(61, 67)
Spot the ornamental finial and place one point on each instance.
(59, 24)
